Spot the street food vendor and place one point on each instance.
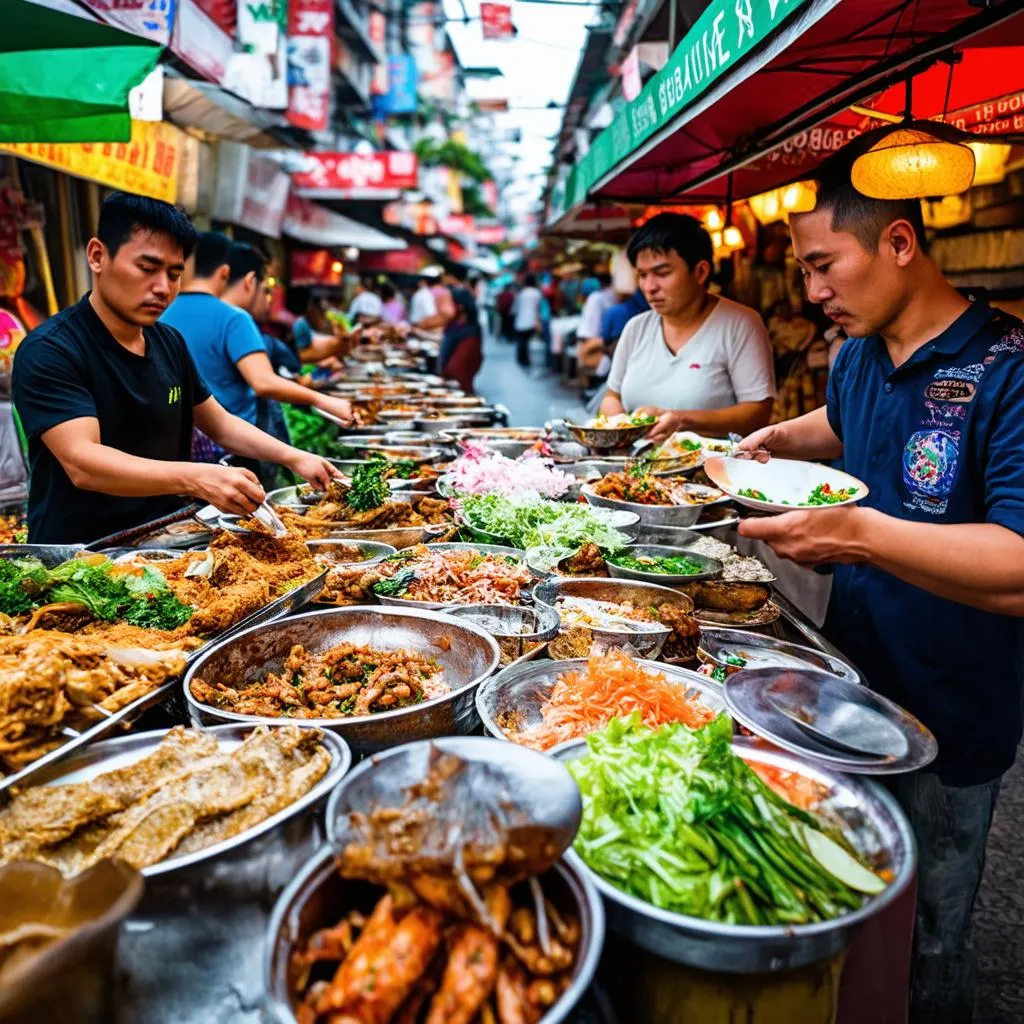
(108, 397)
(697, 361)
(926, 405)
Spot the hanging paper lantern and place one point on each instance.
(989, 162)
(732, 239)
(800, 197)
(766, 207)
(713, 220)
(908, 163)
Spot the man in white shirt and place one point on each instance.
(423, 308)
(366, 306)
(589, 343)
(526, 318)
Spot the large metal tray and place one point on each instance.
(126, 750)
(125, 716)
(870, 818)
(471, 656)
(51, 555)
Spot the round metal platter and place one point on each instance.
(110, 755)
(710, 568)
(768, 613)
(866, 813)
(522, 690)
(762, 651)
(749, 703)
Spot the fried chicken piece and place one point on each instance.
(588, 561)
(469, 977)
(685, 638)
(511, 988)
(385, 963)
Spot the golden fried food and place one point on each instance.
(728, 597)
(346, 680)
(185, 796)
(51, 681)
(683, 643)
(588, 561)
(641, 489)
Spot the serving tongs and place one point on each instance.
(265, 515)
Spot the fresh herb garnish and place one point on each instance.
(369, 488)
(398, 584)
(673, 565)
(750, 492)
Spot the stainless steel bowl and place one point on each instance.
(331, 552)
(485, 435)
(763, 651)
(50, 555)
(522, 690)
(672, 536)
(319, 897)
(484, 549)
(481, 417)
(607, 438)
(864, 811)
(710, 567)
(471, 656)
(647, 643)
(653, 515)
(417, 454)
(410, 439)
(397, 537)
(88, 762)
(518, 626)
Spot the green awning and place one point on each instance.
(66, 79)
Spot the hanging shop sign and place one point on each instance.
(310, 32)
(259, 73)
(377, 26)
(147, 165)
(489, 191)
(723, 36)
(202, 42)
(315, 267)
(252, 190)
(497, 21)
(400, 95)
(630, 71)
(490, 234)
(458, 224)
(356, 175)
(151, 19)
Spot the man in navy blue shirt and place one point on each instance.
(926, 405)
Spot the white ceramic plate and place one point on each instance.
(786, 483)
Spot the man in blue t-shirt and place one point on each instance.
(926, 406)
(225, 343)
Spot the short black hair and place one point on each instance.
(867, 218)
(124, 213)
(673, 232)
(387, 292)
(604, 280)
(530, 281)
(211, 252)
(369, 282)
(244, 259)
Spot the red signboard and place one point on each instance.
(315, 267)
(489, 191)
(457, 224)
(357, 175)
(490, 234)
(310, 33)
(497, 20)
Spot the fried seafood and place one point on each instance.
(721, 596)
(465, 933)
(588, 561)
(51, 681)
(342, 682)
(185, 796)
(638, 486)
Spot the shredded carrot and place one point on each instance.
(613, 686)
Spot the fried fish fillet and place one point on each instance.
(728, 597)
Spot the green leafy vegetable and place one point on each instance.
(750, 492)
(824, 495)
(674, 565)
(396, 585)
(310, 431)
(547, 530)
(675, 818)
(369, 487)
(22, 580)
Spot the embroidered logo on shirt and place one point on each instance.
(950, 391)
(694, 366)
(1011, 341)
(929, 468)
(973, 373)
(173, 395)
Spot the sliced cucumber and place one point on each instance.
(837, 862)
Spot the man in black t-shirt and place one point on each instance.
(108, 396)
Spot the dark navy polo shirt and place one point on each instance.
(939, 439)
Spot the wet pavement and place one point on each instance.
(535, 396)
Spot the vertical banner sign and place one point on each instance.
(259, 74)
(400, 97)
(496, 20)
(378, 28)
(631, 84)
(310, 32)
(489, 191)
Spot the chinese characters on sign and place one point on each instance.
(353, 175)
(151, 19)
(310, 31)
(147, 165)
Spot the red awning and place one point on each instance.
(777, 123)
